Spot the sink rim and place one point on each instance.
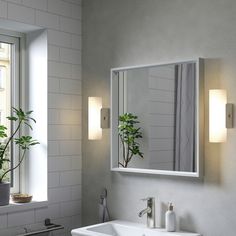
(85, 230)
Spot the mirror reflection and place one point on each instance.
(163, 100)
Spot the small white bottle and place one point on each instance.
(170, 219)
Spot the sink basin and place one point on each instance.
(124, 228)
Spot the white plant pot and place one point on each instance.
(4, 193)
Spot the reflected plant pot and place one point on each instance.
(4, 193)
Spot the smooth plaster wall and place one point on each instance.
(136, 32)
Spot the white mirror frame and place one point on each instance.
(199, 126)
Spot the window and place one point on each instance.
(10, 95)
(28, 62)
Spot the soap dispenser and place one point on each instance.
(170, 218)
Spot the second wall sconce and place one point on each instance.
(220, 115)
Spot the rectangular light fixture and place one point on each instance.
(94, 118)
(220, 115)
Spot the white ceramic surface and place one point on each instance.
(123, 228)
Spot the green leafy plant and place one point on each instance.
(128, 134)
(21, 118)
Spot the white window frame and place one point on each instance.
(33, 96)
(15, 99)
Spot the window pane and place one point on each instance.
(5, 94)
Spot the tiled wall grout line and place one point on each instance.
(47, 11)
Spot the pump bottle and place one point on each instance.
(170, 218)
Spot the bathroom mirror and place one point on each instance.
(167, 100)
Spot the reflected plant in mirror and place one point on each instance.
(128, 134)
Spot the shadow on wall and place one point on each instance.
(212, 158)
(187, 220)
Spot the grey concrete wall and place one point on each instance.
(134, 32)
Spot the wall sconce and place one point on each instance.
(98, 118)
(220, 115)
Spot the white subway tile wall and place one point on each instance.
(47, 20)
(62, 19)
(20, 218)
(20, 13)
(60, 7)
(41, 5)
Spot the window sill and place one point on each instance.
(15, 207)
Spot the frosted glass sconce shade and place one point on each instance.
(217, 115)
(94, 118)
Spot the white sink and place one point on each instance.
(124, 228)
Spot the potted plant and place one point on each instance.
(128, 134)
(20, 118)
